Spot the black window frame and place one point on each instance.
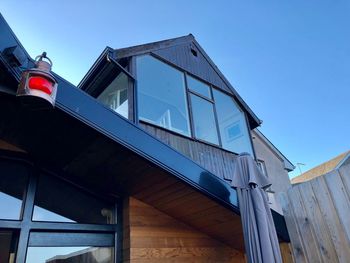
(25, 226)
(189, 104)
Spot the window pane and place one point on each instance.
(115, 96)
(13, 181)
(70, 255)
(198, 86)
(162, 95)
(204, 120)
(70, 247)
(232, 124)
(58, 201)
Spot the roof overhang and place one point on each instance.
(288, 165)
(89, 143)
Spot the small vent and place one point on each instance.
(194, 52)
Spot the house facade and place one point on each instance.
(274, 165)
(133, 165)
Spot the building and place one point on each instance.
(326, 167)
(134, 165)
(274, 165)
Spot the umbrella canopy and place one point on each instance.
(259, 231)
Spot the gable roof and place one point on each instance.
(323, 168)
(288, 165)
(185, 53)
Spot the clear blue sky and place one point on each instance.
(289, 60)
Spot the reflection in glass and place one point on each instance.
(8, 245)
(232, 124)
(69, 255)
(58, 201)
(115, 96)
(198, 86)
(13, 181)
(162, 95)
(204, 120)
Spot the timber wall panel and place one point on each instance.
(153, 236)
(317, 214)
(215, 160)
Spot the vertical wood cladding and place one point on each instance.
(215, 160)
(152, 236)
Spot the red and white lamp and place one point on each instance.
(38, 87)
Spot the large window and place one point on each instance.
(46, 219)
(162, 95)
(162, 101)
(13, 182)
(232, 124)
(57, 201)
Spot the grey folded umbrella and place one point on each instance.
(260, 238)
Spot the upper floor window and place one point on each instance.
(233, 128)
(115, 95)
(162, 100)
(204, 120)
(162, 95)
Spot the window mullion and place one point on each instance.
(27, 217)
(189, 107)
(216, 117)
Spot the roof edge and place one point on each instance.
(288, 165)
(255, 118)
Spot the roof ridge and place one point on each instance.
(188, 37)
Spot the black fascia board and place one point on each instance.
(88, 110)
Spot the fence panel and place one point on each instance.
(317, 214)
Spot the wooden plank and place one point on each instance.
(322, 233)
(169, 242)
(340, 199)
(286, 253)
(303, 223)
(331, 218)
(344, 172)
(216, 254)
(294, 232)
(157, 190)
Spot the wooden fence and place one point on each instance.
(317, 214)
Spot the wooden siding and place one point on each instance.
(197, 210)
(152, 236)
(317, 214)
(286, 252)
(215, 160)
